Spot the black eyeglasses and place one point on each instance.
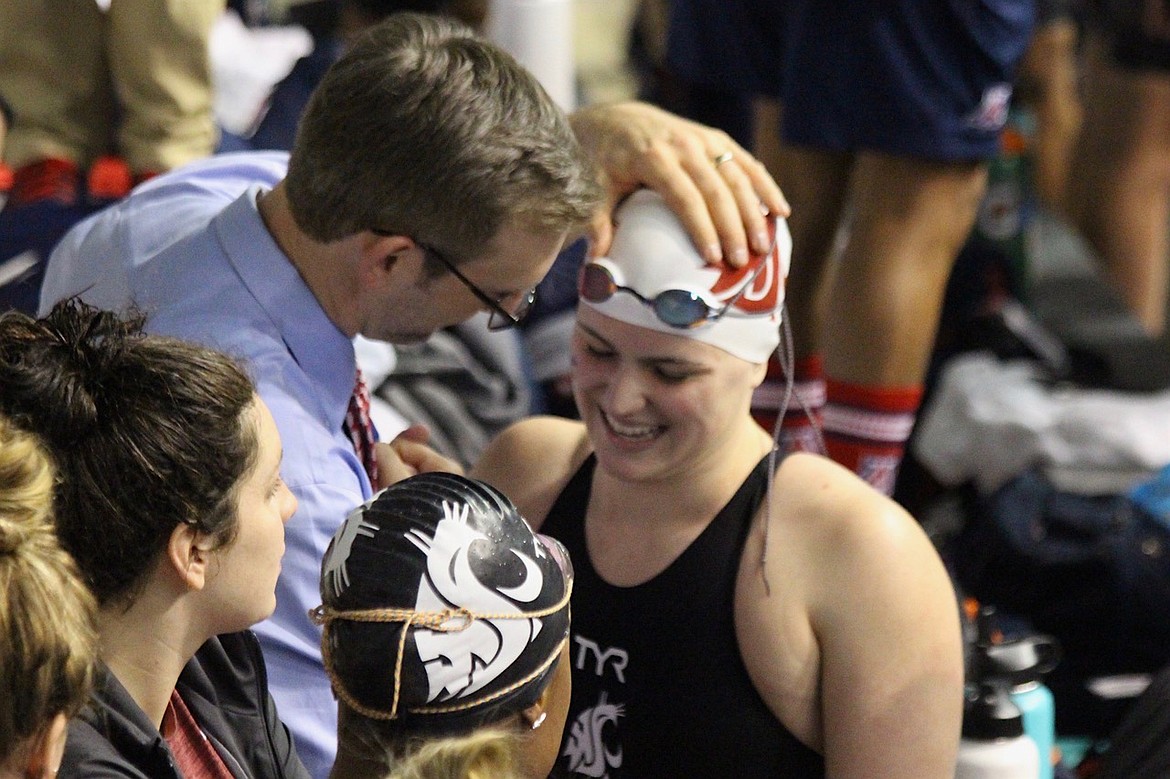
(501, 318)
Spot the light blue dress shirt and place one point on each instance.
(97, 255)
(197, 259)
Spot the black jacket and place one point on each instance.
(226, 688)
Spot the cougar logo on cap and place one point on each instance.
(440, 603)
(460, 665)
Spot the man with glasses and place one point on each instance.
(431, 178)
(500, 317)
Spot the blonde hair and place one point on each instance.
(481, 754)
(47, 616)
(26, 477)
(374, 748)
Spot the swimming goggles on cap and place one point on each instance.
(678, 308)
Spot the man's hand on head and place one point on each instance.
(713, 184)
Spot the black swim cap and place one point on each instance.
(441, 608)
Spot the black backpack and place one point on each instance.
(1092, 571)
(1139, 748)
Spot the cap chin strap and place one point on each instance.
(785, 353)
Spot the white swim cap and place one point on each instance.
(675, 291)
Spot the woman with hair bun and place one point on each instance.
(446, 628)
(46, 617)
(170, 499)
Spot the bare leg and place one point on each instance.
(911, 217)
(1048, 82)
(1119, 187)
(815, 183)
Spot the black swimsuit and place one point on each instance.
(659, 687)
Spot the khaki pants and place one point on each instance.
(133, 81)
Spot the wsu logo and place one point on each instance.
(459, 665)
(585, 747)
(766, 288)
(992, 112)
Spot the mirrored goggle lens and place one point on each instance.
(679, 308)
(595, 284)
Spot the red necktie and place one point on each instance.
(361, 429)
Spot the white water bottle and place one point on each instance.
(994, 745)
(1019, 664)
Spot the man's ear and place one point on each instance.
(380, 255)
(189, 554)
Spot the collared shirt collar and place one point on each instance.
(322, 350)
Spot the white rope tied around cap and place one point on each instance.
(445, 621)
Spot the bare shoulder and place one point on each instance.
(790, 559)
(851, 635)
(531, 460)
(826, 543)
(835, 513)
(530, 444)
